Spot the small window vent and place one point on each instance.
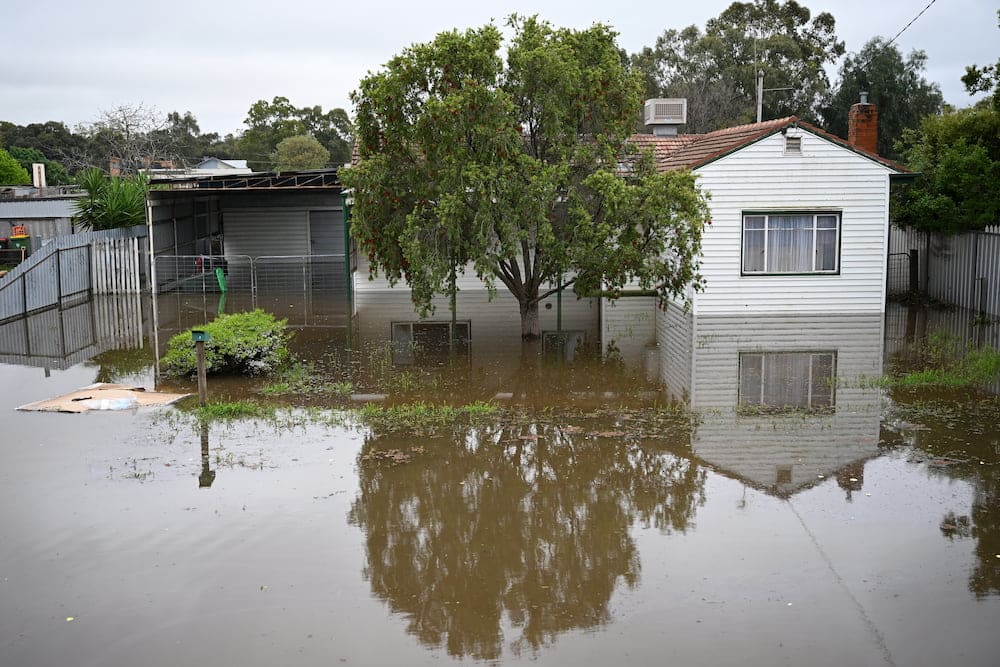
(793, 145)
(666, 112)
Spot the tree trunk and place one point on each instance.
(530, 328)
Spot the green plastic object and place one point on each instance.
(221, 277)
(199, 336)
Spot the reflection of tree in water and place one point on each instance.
(984, 526)
(120, 366)
(961, 440)
(498, 527)
(985, 578)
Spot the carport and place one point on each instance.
(254, 240)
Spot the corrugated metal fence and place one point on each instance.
(60, 338)
(74, 267)
(963, 270)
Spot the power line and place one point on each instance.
(911, 22)
(863, 67)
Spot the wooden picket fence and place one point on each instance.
(115, 266)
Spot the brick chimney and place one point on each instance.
(862, 125)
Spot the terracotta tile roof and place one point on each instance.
(690, 151)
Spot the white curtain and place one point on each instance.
(790, 243)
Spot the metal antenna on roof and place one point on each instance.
(760, 93)
(760, 76)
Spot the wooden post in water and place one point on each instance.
(914, 269)
(200, 337)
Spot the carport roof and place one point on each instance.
(271, 180)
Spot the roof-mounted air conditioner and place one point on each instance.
(666, 111)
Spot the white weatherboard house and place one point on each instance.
(799, 220)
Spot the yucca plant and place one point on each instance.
(111, 202)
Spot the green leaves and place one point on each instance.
(895, 85)
(510, 170)
(716, 70)
(253, 343)
(268, 123)
(11, 172)
(298, 153)
(957, 160)
(110, 202)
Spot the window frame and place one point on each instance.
(745, 407)
(405, 353)
(815, 213)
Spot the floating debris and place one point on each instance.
(103, 396)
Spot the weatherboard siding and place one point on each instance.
(674, 331)
(805, 445)
(825, 177)
(628, 325)
(365, 279)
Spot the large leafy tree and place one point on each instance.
(55, 173)
(53, 139)
(984, 79)
(11, 172)
(510, 170)
(957, 160)
(894, 84)
(716, 70)
(300, 152)
(268, 123)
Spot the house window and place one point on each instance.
(414, 342)
(783, 475)
(787, 381)
(791, 243)
(562, 345)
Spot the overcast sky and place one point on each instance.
(66, 59)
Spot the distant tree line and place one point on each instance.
(132, 137)
(714, 67)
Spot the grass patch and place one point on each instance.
(976, 369)
(943, 362)
(302, 379)
(232, 410)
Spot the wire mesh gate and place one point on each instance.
(255, 275)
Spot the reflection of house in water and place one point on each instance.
(58, 338)
(488, 332)
(782, 402)
(385, 328)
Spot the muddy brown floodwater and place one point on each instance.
(586, 521)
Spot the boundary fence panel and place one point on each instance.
(68, 267)
(963, 270)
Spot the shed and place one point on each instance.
(263, 229)
(44, 215)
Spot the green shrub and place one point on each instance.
(253, 343)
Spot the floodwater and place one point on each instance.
(802, 516)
